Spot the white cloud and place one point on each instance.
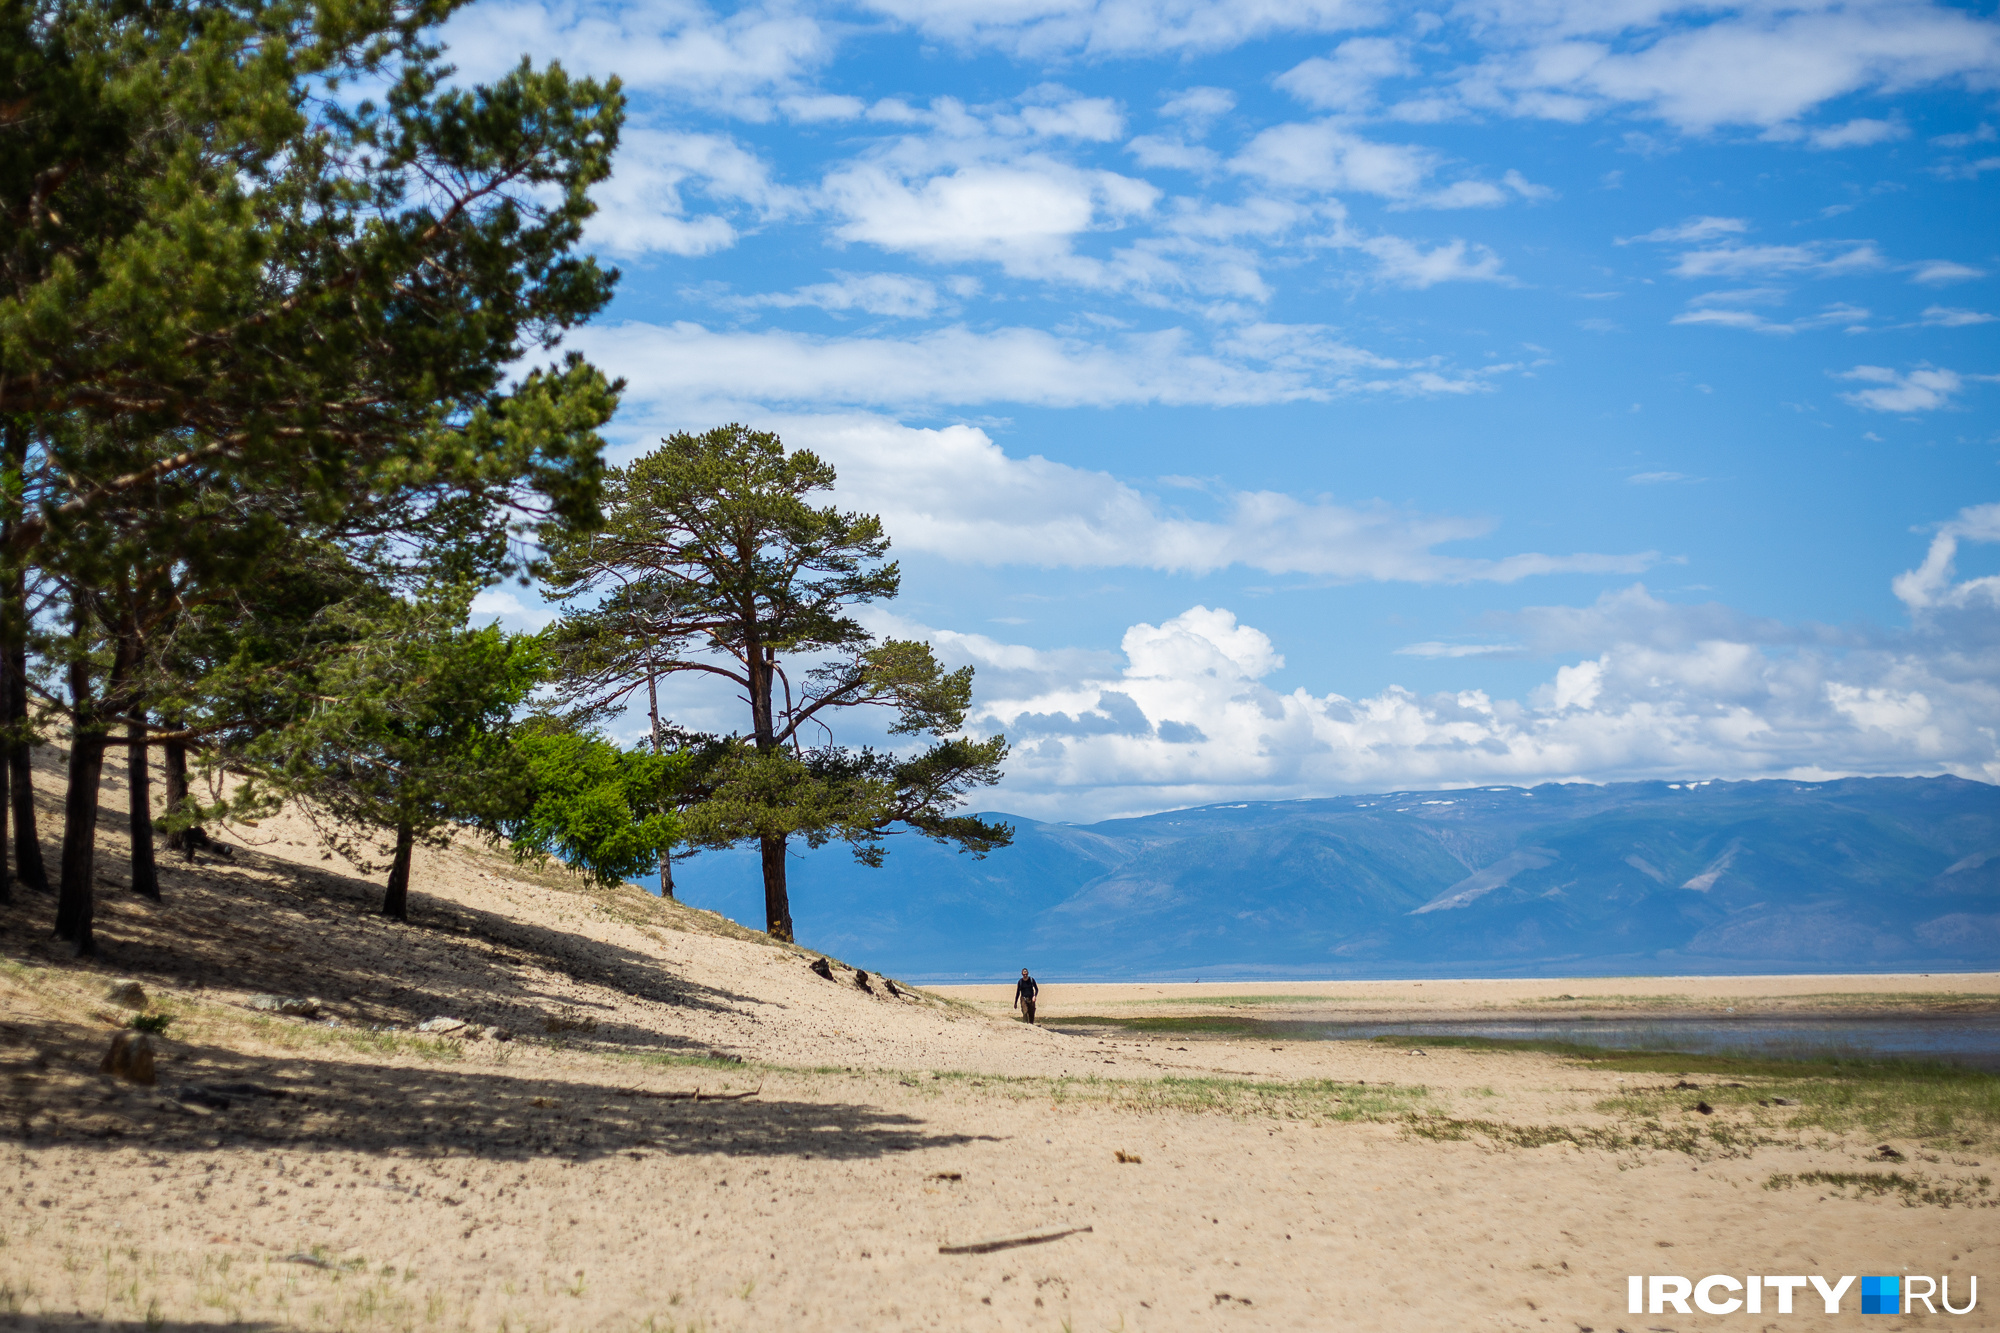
(1938, 272)
(1922, 390)
(1325, 156)
(1407, 264)
(1435, 649)
(1091, 119)
(685, 371)
(1852, 318)
(1198, 106)
(737, 64)
(1660, 478)
(953, 492)
(1346, 80)
(1816, 259)
(1929, 588)
(1857, 133)
(509, 610)
(1744, 64)
(641, 209)
(1020, 215)
(1952, 317)
(1693, 230)
(1044, 28)
(893, 294)
(1190, 715)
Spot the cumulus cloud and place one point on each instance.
(1347, 79)
(643, 210)
(738, 63)
(1660, 691)
(1931, 587)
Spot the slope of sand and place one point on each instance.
(571, 1178)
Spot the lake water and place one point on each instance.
(1968, 1039)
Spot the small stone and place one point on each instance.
(822, 968)
(1704, 1108)
(441, 1025)
(267, 1003)
(130, 1058)
(127, 994)
(303, 1008)
(498, 1034)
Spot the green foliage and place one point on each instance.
(605, 812)
(713, 559)
(407, 726)
(216, 266)
(154, 1023)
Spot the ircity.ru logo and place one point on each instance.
(1720, 1293)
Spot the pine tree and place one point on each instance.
(224, 278)
(712, 560)
(406, 732)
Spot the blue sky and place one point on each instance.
(1282, 399)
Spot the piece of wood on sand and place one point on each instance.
(1010, 1242)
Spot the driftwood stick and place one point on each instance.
(1010, 1242)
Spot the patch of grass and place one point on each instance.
(1256, 999)
(1307, 1099)
(155, 1023)
(1214, 1024)
(1915, 1189)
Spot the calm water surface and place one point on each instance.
(1969, 1039)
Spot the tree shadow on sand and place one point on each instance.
(262, 923)
(209, 1098)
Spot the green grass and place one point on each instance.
(1915, 1189)
(1257, 999)
(1319, 1100)
(1213, 1024)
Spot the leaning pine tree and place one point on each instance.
(712, 560)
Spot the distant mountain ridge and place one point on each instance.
(1867, 874)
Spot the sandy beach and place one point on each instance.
(689, 1129)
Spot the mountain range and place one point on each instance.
(1859, 874)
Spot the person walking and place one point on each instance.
(1025, 991)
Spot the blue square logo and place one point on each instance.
(1881, 1295)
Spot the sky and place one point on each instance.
(1275, 400)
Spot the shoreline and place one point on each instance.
(1831, 994)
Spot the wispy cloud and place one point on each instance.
(1925, 389)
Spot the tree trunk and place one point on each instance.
(762, 662)
(76, 903)
(396, 902)
(777, 904)
(174, 758)
(145, 873)
(28, 865)
(653, 708)
(6, 869)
